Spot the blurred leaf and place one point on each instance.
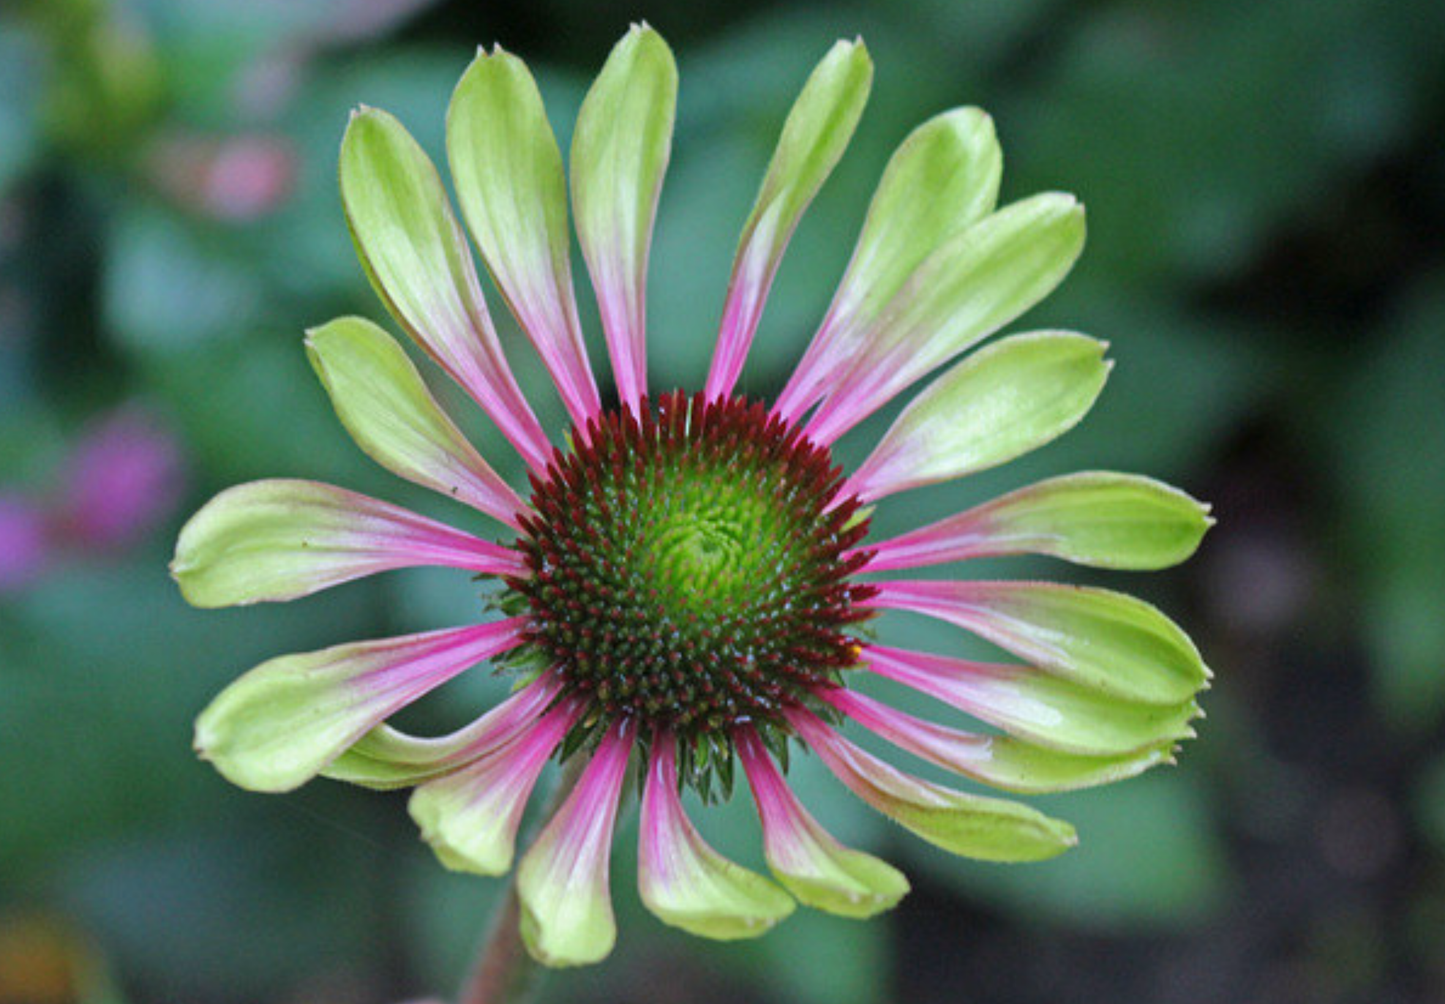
(1388, 467)
(20, 83)
(846, 960)
(116, 666)
(252, 909)
(169, 285)
(1148, 856)
(1185, 176)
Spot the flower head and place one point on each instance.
(687, 580)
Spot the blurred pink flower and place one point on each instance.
(123, 478)
(234, 180)
(24, 549)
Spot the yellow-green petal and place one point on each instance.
(1003, 401)
(562, 882)
(808, 861)
(620, 150)
(509, 181)
(383, 402)
(942, 179)
(1107, 641)
(283, 722)
(990, 829)
(814, 137)
(417, 259)
(1095, 518)
(684, 882)
(973, 284)
(279, 539)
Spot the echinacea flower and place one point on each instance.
(685, 583)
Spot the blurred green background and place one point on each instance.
(1266, 190)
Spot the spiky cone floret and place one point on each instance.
(686, 585)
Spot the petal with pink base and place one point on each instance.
(686, 883)
(1001, 402)
(562, 881)
(1000, 761)
(1094, 518)
(990, 829)
(972, 285)
(1103, 640)
(1042, 708)
(943, 178)
(280, 724)
(387, 758)
(509, 181)
(383, 402)
(279, 539)
(817, 131)
(417, 259)
(620, 150)
(470, 817)
(806, 859)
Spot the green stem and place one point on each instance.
(503, 972)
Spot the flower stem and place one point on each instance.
(503, 972)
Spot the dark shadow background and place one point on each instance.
(1264, 183)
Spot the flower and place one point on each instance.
(688, 583)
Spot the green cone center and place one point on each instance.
(689, 566)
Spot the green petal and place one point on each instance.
(943, 178)
(1000, 761)
(562, 882)
(814, 137)
(976, 282)
(620, 150)
(1001, 402)
(280, 724)
(990, 829)
(686, 883)
(470, 817)
(387, 758)
(1103, 640)
(804, 857)
(509, 180)
(1044, 709)
(417, 260)
(280, 539)
(1095, 518)
(1098, 518)
(382, 401)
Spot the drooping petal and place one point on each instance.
(508, 175)
(418, 262)
(806, 859)
(1095, 518)
(562, 881)
(1000, 761)
(280, 539)
(1106, 641)
(817, 131)
(470, 817)
(972, 285)
(620, 150)
(942, 179)
(686, 883)
(1043, 709)
(1003, 401)
(991, 829)
(382, 401)
(278, 725)
(387, 758)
